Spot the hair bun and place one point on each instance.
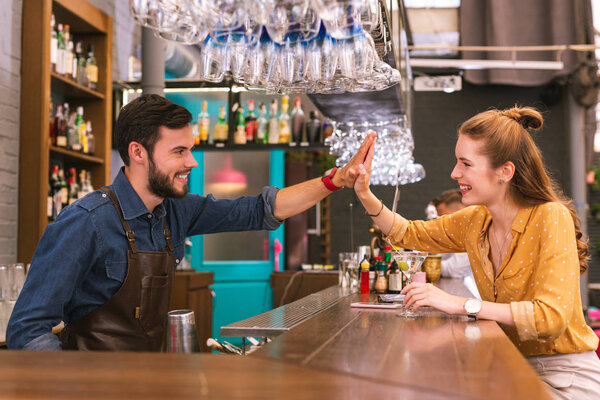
(527, 117)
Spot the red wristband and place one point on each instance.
(327, 181)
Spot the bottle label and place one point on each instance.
(221, 132)
(203, 128)
(284, 132)
(251, 128)
(92, 73)
(239, 137)
(61, 141)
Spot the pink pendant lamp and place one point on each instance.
(227, 181)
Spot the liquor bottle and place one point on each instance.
(284, 121)
(53, 113)
(221, 128)
(73, 142)
(60, 51)
(55, 191)
(53, 43)
(273, 124)
(69, 56)
(298, 134)
(64, 189)
(81, 134)
(327, 129)
(239, 136)
(82, 180)
(203, 124)
(75, 62)
(313, 128)
(261, 124)
(91, 139)
(73, 187)
(60, 138)
(251, 123)
(395, 279)
(81, 65)
(91, 68)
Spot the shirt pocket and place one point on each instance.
(515, 281)
(116, 270)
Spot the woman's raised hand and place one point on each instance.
(350, 171)
(361, 185)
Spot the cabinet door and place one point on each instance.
(242, 262)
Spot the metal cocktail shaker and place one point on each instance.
(182, 336)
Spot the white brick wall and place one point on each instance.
(127, 35)
(126, 39)
(10, 94)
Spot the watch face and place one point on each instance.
(472, 306)
(327, 172)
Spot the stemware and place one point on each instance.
(409, 263)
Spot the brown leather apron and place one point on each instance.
(135, 318)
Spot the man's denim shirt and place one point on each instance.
(81, 259)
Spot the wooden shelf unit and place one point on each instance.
(38, 84)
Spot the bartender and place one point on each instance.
(105, 266)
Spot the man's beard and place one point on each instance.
(161, 185)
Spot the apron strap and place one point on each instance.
(128, 232)
(167, 232)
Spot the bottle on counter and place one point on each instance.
(273, 124)
(298, 134)
(381, 284)
(364, 276)
(239, 135)
(221, 128)
(251, 123)
(203, 124)
(53, 43)
(91, 68)
(373, 272)
(313, 128)
(284, 121)
(394, 279)
(261, 124)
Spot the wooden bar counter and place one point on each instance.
(341, 352)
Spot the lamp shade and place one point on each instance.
(227, 181)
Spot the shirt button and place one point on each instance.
(177, 261)
(149, 215)
(103, 194)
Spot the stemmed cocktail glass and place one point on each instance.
(409, 262)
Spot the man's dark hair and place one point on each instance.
(140, 119)
(447, 197)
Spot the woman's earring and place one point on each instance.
(501, 180)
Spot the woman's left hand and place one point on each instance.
(425, 294)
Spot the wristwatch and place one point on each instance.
(327, 177)
(472, 307)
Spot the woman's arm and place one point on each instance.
(425, 294)
(372, 205)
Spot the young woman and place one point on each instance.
(524, 243)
